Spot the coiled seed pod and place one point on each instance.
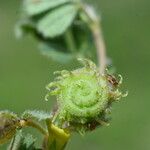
(84, 96)
(8, 125)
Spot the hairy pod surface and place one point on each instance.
(84, 96)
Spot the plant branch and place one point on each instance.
(100, 46)
(30, 123)
(94, 24)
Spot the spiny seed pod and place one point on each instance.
(84, 96)
(8, 125)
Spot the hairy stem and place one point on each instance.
(100, 46)
(30, 123)
(94, 24)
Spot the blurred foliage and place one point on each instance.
(24, 72)
(22, 142)
(59, 28)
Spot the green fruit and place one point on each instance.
(84, 96)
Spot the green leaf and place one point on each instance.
(53, 146)
(38, 115)
(56, 53)
(16, 141)
(57, 21)
(34, 7)
(84, 41)
(29, 141)
(24, 26)
(22, 142)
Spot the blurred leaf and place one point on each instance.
(53, 146)
(38, 115)
(22, 142)
(24, 26)
(55, 53)
(16, 141)
(34, 7)
(57, 21)
(84, 40)
(29, 141)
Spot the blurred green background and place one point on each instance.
(24, 73)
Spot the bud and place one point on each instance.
(8, 125)
(84, 97)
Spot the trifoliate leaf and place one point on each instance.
(34, 7)
(38, 115)
(57, 21)
(55, 53)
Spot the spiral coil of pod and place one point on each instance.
(84, 96)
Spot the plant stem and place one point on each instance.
(70, 41)
(30, 123)
(94, 24)
(100, 46)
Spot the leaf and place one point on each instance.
(22, 142)
(55, 53)
(57, 21)
(52, 146)
(16, 141)
(24, 26)
(29, 141)
(39, 115)
(34, 7)
(84, 41)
